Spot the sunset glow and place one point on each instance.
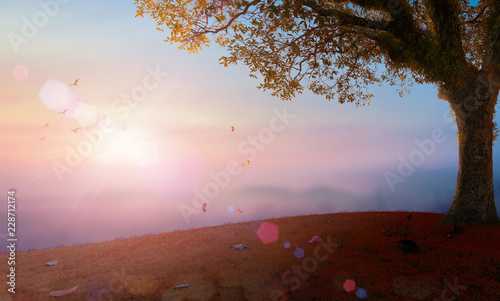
(109, 132)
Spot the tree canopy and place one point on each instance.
(334, 47)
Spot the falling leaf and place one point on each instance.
(240, 211)
(64, 292)
(246, 163)
(232, 128)
(204, 207)
(50, 263)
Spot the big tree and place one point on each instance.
(334, 47)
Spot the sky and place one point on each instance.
(161, 142)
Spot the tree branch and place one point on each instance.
(491, 59)
(225, 27)
(475, 19)
(444, 15)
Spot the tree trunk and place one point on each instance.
(473, 201)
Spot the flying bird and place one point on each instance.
(47, 124)
(232, 128)
(246, 163)
(64, 111)
(75, 130)
(42, 138)
(204, 207)
(75, 83)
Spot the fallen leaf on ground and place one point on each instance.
(54, 262)
(314, 239)
(63, 292)
(239, 247)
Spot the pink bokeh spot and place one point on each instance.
(97, 291)
(54, 94)
(57, 96)
(349, 285)
(73, 102)
(20, 72)
(268, 232)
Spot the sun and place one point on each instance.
(128, 147)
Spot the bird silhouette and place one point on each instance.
(75, 83)
(75, 130)
(47, 124)
(42, 138)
